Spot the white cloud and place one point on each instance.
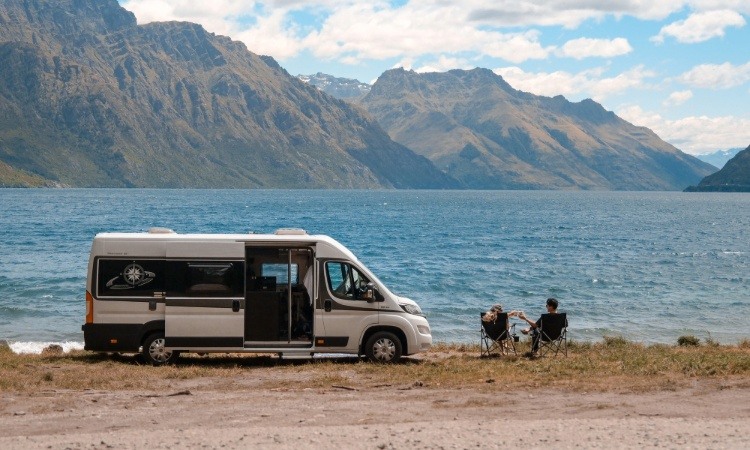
(716, 76)
(584, 48)
(271, 36)
(353, 31)
(216, 16)
(694, 134)
(566, 13)
(372, 31)
(678, 97)
(701, 26)
(588, 83)
(443, 64)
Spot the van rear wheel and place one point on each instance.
(383, 347)
(154, 352)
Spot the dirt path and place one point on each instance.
(226, 413)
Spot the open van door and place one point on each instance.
(205, 305)
(278, 297)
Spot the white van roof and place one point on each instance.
(282, 235)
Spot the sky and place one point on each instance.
(678, 67)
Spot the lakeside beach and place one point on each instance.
(601, 396)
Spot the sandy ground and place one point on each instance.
(240, 413)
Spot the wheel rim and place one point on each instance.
(157, 352)
(384, 349)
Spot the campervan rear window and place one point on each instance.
(130, 277)
(205, 279)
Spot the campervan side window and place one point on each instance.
(205, 279)
(345, 281)
(280, 272)
(130, 277)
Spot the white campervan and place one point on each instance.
(162, 293)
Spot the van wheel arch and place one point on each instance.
(153, 350)
(395, 332)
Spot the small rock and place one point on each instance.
(52, 350)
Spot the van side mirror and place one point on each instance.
(372, 294)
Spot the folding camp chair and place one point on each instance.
(553, 334)
(496, 337)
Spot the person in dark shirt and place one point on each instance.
(534, 326)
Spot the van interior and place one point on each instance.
(278, 295)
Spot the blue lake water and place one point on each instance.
(650, 266)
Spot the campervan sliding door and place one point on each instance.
(279, 310)
(205, 305)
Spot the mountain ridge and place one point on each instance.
(733, 177)
(480, 130)
(719, 157)
(90, 98)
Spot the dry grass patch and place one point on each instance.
(614, 364)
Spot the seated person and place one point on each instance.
(491, 314)
(534, 326)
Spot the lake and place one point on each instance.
(649, 266)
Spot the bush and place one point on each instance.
(615, 341)
(688, 341)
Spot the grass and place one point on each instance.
(614, 364)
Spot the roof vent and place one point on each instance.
(290, 232)
(160, 230)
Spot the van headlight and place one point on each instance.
(411, 309)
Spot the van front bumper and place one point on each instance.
(423, 335)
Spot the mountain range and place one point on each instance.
(719, 157)
(733, 177)
(343, 88)
(90, 98)
(478, 129)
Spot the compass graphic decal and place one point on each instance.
(132, 276)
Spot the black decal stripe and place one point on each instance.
(331, 341)
(188, 342)
(341, 307)
(130, 299)
(280, 344)
(204, 302)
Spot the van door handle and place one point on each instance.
(327, 304)
(236, 305)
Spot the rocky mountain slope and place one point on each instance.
(344, 88)
(719, 157)
(478, 129)
(89, 98)
(733, 177)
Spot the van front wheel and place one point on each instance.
(154, 352)
(383, 347)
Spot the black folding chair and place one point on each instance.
(496, 337)
(553, 334)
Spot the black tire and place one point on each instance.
(154, 353)
(383, 347)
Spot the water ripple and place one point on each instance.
(650, 266)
